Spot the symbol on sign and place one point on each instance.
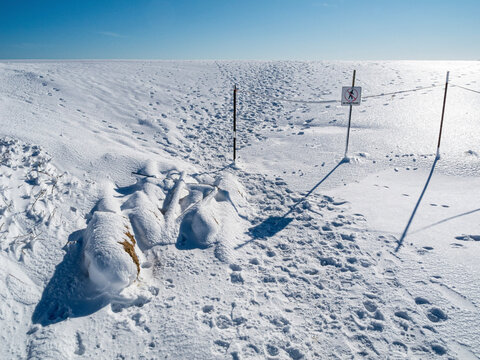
(351, 95)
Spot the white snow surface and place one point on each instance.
(291, 253)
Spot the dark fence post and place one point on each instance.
(443, 113)
(234, 123)
(350, 116)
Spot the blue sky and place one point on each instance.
(240, 29)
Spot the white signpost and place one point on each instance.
(351, 95)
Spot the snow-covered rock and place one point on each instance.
(217, 219)
(230, 189)
(147, 221)
(199, 227)
(110, 252)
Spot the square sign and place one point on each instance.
(351, 95)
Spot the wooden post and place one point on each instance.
(443, 113)
(350, 116)
(234, 122)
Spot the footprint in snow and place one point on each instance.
(436, 315)
(468, 237)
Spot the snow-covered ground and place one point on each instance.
(127, 233)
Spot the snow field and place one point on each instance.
(272, 258)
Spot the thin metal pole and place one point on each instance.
(350, 116)
(234, 123)
(443, 113)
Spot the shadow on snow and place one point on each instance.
(274, 224)
(404, 235)
(69, 293)
(445, 220)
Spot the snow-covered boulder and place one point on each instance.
(108, 204)
(146, 219)
(230, 189)
(217, 219)
(110, 254)
(199, 226)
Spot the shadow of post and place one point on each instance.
(402, 238)
(68, 294)
(445, 220)
(313, 188)
(228, 166)
(274, 224)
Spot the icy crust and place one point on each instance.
(106, 242)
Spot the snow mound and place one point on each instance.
(150, 168)
(232, 191)
(215, 218)
(108, 204)
(358, 157)
(200, 226)
(109, 252)
(146, 219)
